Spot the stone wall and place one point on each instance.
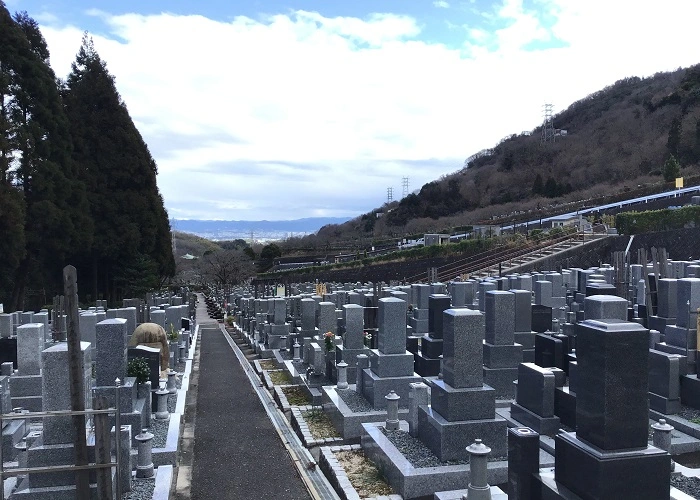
(681, 244)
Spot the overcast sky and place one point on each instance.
(300, 108)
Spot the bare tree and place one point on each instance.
(226, 268)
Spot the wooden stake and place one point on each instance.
(75, 374)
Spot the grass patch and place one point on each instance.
(364, 476)
(320, 425)
(280, 377)
(695, 420)
(296, 396)
(267, 364)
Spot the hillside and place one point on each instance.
(617, 140)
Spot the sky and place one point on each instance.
(284, 109)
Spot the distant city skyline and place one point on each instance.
(281, 110)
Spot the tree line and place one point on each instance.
(77, 181)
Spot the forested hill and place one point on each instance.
(615, 139)
(77, 182)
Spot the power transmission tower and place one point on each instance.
(389, 194)
(547, 124)
(404, 183)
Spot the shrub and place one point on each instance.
(138, 367)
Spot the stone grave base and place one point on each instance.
(12, 433)
(690, 391)
(426, 367)
(376, 388)
(347, 422)
(565, 406)
(411, 482)
(541, 425)
(664, 405)
(26, 392)
(595, 473)
(39, 455)
(528, 355)
(449, 440)
(501, 379)
(549, 489)
(51, 493)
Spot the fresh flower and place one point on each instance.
(329, 338)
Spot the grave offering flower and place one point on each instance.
(368, 339)
(138, 367)
(328, 339)
(172, 334)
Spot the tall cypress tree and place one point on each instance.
(132, 230)
(36, 157)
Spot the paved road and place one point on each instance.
(237, 452)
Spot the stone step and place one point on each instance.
(31, 403)
(12, 433)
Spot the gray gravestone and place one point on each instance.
(30, 343)
(110, 351)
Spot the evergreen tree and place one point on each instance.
(132, 230)
(672, 169)
(674, 136)
(35, 150)
(538, 185)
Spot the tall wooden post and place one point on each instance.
(75, 374)
(102, 450)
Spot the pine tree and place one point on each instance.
(132, 230)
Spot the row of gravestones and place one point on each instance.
(36, 379)
(602, 306)
(463, 407)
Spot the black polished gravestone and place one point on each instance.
(152, 357)
(549, 351)
(541, 318)
(523, 461)
(600, 289)
(608, 457)
(8, 351)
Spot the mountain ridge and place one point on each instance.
(261, 229)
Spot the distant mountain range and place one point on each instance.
(259, 229)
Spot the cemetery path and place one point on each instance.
(237, 451)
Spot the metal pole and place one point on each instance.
(117, 434)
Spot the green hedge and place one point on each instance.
(658, 220)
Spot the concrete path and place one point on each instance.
(238, 453)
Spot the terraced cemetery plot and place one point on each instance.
(319, 424)
(296, 396)
(280, 377)
(363, 474)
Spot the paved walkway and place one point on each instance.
(238, 453)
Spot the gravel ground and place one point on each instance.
(159, 428)
(355, 401)
(141, 489)
(688, 413)
(418, 454)
(688, 485)
(172, 402)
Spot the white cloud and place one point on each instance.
(302, 114)
(441, 4)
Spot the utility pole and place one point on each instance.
(404, 184)
(389, 194)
